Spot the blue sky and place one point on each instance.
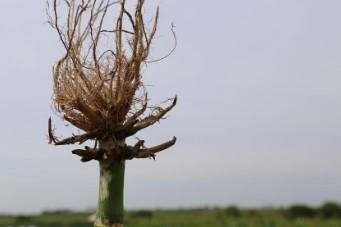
(258, 120)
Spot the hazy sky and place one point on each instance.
(258, 120)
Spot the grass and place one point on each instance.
(175, 218)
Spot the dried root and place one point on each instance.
(98, 82)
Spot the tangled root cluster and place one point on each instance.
(99, 89)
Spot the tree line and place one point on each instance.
(327, 210)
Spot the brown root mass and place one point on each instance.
(98, 84)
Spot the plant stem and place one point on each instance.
(110, 200)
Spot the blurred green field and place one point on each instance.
(177, 218)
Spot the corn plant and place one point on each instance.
(98, 88)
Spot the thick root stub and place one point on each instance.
(122, 151)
